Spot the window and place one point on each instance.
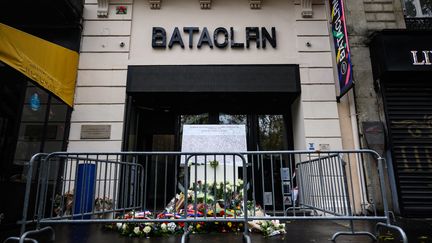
(42, 128)
(418, 8)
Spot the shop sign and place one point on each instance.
(343, 54)
(121, 10)
(220, 38)
(422, 58)
(396, 52)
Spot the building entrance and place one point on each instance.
(153, 128)
(161, 99)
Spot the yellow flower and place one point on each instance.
(229, 224)
(198, 226)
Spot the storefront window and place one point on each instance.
(31, 129)
(55, 130)
(232, 119)
(194, 119)
(271, 132)
(418, 8)
(42, 128)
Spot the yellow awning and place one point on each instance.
(51, 66)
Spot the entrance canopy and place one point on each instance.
(51, 66)
(214, 78)
(214, 87)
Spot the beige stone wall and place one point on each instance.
(101, 83)
(317, 117)
(100, 95)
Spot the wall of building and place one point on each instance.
(101, 83)
(363, 18)
(101, 87)
(100, 94)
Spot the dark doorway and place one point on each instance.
(161, 99)
(159, 128)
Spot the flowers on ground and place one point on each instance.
(209, 200)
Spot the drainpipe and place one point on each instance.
(356, 138)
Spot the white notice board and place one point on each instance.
(215, 138)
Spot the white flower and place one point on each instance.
(119, 225)
(218, 186)
(282, 227)
(163, 227)
(124, 226)
(276, 223)
(147, 229)
(172, 227)
(136, 230)
(239, 182)
(228, 187)
(283, 231)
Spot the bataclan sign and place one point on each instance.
(221, 37)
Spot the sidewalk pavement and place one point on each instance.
(299, 231)
(419, 231)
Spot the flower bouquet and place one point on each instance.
(102, 205)
(202, 199)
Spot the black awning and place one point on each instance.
(31, 13)
(214, 78)
(399, 53)
(57, 21)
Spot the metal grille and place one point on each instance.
(409, 115)
(134, 187)
(418, 23)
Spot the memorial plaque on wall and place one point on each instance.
(95, 131)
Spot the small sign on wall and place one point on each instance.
(95, 131)
(121, 10)
(268, 198)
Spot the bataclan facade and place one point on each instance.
(146, 68)
(149, 67)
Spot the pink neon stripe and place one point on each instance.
(348, 75)
(344, 24)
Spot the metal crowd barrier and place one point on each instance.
(100, 188)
